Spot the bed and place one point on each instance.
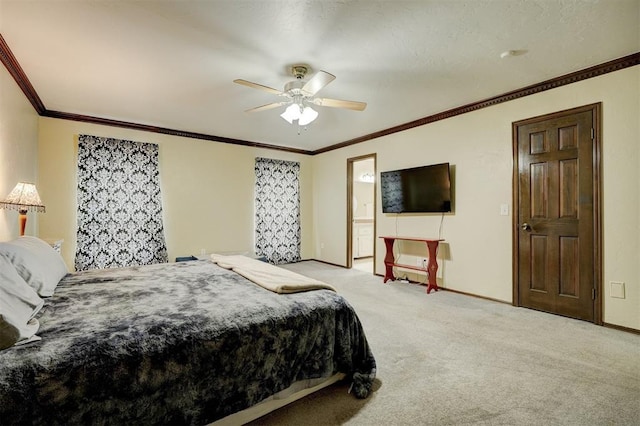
(179, 343)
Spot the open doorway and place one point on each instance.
(361, 210)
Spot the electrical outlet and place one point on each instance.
(424, 262)
(203, 252)
(616, 289)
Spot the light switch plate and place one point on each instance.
(504, 209)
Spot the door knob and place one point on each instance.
(525, 227)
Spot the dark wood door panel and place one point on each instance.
(538, 261)
(554, 241)
(569, 249)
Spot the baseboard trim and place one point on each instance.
(457, 291)
(474, 295)
(325, 262)
(621, 328)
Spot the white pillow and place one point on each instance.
(36, 262)
(18, 304)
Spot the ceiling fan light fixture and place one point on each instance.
(291, 113)
(308, 115)
(304, 115)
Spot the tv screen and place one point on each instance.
(425, 189)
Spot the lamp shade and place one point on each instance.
(24, 197)
(291, 113)
(308, 115)
(297, 111)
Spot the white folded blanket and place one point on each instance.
(269, 276)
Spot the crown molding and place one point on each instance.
(14, 68)
(164, 130)
(595, 71)
(11, 63)
(16, 71)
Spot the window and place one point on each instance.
(277, 210)
(119, 204)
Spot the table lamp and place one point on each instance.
(23, 198)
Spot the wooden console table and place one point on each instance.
(432, 266)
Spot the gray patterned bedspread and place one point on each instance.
(179, 343)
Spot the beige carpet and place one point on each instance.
(364, 264)
(450, 359)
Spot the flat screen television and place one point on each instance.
(425, 189)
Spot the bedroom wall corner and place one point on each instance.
(18, 152)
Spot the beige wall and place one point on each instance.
(18, 152)
(478, 253)
(207, 188)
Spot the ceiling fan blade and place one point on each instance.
(317, 82)
(258, 86)
(267, 106)
(337, 103)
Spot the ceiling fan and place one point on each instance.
(300, 94)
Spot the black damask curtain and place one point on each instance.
(277, 207)
(119, 204)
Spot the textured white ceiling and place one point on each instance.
(171, 63)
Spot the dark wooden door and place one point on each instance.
(556, 218)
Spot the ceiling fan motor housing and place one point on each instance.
(294, 87)
(299, 71)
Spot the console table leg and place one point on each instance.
(432, 266)
(388, 273)
(389, 260)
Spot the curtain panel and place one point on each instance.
(119, 204)
(277, 210)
